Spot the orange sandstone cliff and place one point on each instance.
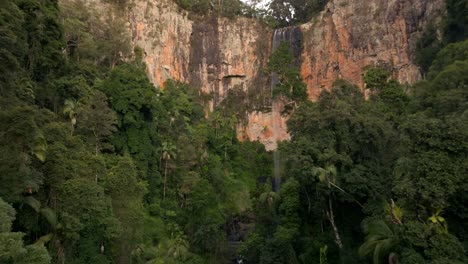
(217, 55)
(350, 34)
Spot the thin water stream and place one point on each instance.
(293, 37)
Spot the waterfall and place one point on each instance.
(275, 119)
(293, 37)
(290, 35)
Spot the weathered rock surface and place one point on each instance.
(163, 31)
(350, 34)
(213, 54)
(345, 38)
(228, 54)
(219, 54)
(266, 127)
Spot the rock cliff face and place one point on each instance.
(163, 31)
(228, 54)
(213, 54)
(220, 54)
(266, 127)
(349, 35)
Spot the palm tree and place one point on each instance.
(217, 119)
(70, 110)
(168, 152)
(328, 175)
(48, 214)
(380, 241)
(178, 248)
(39, 147)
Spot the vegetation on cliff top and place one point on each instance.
(276, 13)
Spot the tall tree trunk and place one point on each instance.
(309, 207)
(96, 151)
(331, 218)
(60, 251)
(392, 258)
(165, 181)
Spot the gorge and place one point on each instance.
(210, 132)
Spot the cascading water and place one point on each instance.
(276, 181)
(293, 37)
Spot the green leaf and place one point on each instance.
(44, 239)
(50, 215)
(39, 148)
(31, 201)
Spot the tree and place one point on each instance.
(379, 242)
(12, 249)
(456, 22)
(427, 48)
(114, 41)
(288, 210)
(433, 158)
(87, 215)
(168, 152)
(448, 55)
(48, 214)
(327, 176)
(23, 144)
(126, 191)
(323, 255)
(44, 39)
(141, 118)
(13, 48)
(293, 12)
(98, 121)
(76, 19)
(290, 84)
(178, 247)
(376, 78)
(204, 218)
(70, 110)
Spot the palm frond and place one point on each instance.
(50, 215)
(380, 240)
(39, 148)
(44, 239)
(33, 203)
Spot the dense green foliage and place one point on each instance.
(381, 180)
(453, 28)
(99, 165)
(294, 12)
(276, 13)
(225, 8)
(456, 21)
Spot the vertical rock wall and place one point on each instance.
(219, 54)
(211, 53)
(163, 31)
(346, 37)
(227, 54)
(350, 34)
